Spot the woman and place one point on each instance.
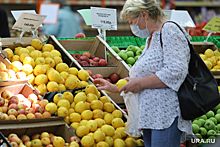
(157, 74)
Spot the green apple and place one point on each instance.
(136, 57)
(124, 51)
(130, 65)
(130, 54)
(218, 111)
(217, 116)
(210, 114)
(199, 136)
(142, 47)
(209, 125)
(131, 48)
(214, 120)
(197, 122)
(195, 128)
(217, 107)
(202, 131)
(138, 52)
(218, 126)
(123, 55)
(130, 60)
(211, 133)
(116, 49)
(203, 117)
(202, 121)
(137, 48)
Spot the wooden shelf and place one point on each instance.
(120, 27)
(196, 4)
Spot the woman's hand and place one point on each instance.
(103, 84)
(133, 85)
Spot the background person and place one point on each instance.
(4, 29)
(68, 24)
(157, 74)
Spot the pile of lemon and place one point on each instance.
(44, 66)
(94, 118)
(211, 59)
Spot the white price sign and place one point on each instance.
(104, 18)
(29, 22)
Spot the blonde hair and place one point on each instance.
(132, 8)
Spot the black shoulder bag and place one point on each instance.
(199, 92)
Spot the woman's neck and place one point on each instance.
(156, 26)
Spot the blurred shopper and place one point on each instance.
(4, 29)
(157, 74)
(68, 24)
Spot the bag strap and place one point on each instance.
(181, 31)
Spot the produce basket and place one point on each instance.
(121, 42)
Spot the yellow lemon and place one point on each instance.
(57, 97)
(140, 142)
(121, 83)
(208, 64)
(63, 103)
(62, 67)
(122, 132)
(56, 53)
(51, 107)
(84, 83)
(54, 75)
(73, 71)
(117, 122)
(108, 118)
(50, 61)
(15, 58)
(81, 96)
(57, 60)
(87, 114)
(23, 56)
(130, 142)
(209, 53)
(62, 111)
(116, 135)
(109, 140)
(90, 97)
(102, 144)
(119, 143)
(83, 75)
(9, 52)
(87, 141)
(47, 54)
(16, 66)
(88, 106)
(47, 47)
(109, 107)
(104, 99)
(73, 104)
(71, 110)
(41, 79)
(23, 50)
(97, 113)
(47, 66)
(75, 117)
(100, 122)
(75, 125)
(39, 69)
(17, 50)
(27, 68)
(31, 78)
(39, 61)
(204, 57)
(82, 131)
(68, 96)
(96, 104)
(37, 44)
(91, 89)
(83, 122)
(70, 83)
(30, 48)
(58, 141)
(117, 114)
(92, 125)
(212, 60)
(67, 120)
(108, 130)
(64, 75)
(35, 54)
(80, 107)
(99, 136)
(52, 86)
(216, 53)
(42, 88)
(62, 87)
(29, 60)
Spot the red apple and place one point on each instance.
(114, 77)
(21, 75)
(84, 58)
(35, 136)
(43, 102)
(94, 76)
(89, 71)
(96, 59)
(21, 106)
(34, 106)
(80, 35)
(52, 138)
(6, 94)
(76, 55)
(14, 144)
(13, 112)
(49, 145)
(2, 116)
(12, 101)
(38, 115)
(108, 80)
(86, 54)
(92, 56)
(21, 116)
(102, 62)
(11, 135)
(30, 116)
(84, 63)
(99, 76)
(25, 138)
(74, 138)
(39, 109)
(90, 60)
(93, 63)
(30, 110)
(2, 101)
(11, 117)
(15, 97)
(13, 106)
(22, 111)
(4, 108)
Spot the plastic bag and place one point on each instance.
(131, 103)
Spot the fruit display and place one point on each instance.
(207, 126)
(86, 59)
(130, 55)
(20, 107)
(43, 139)
(44, 67)
(113, 78)
(94, 118)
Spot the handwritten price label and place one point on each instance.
(213, 25)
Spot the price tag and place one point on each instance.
(167, 13)
(104, 18)
(29, 22)
(213, 25)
